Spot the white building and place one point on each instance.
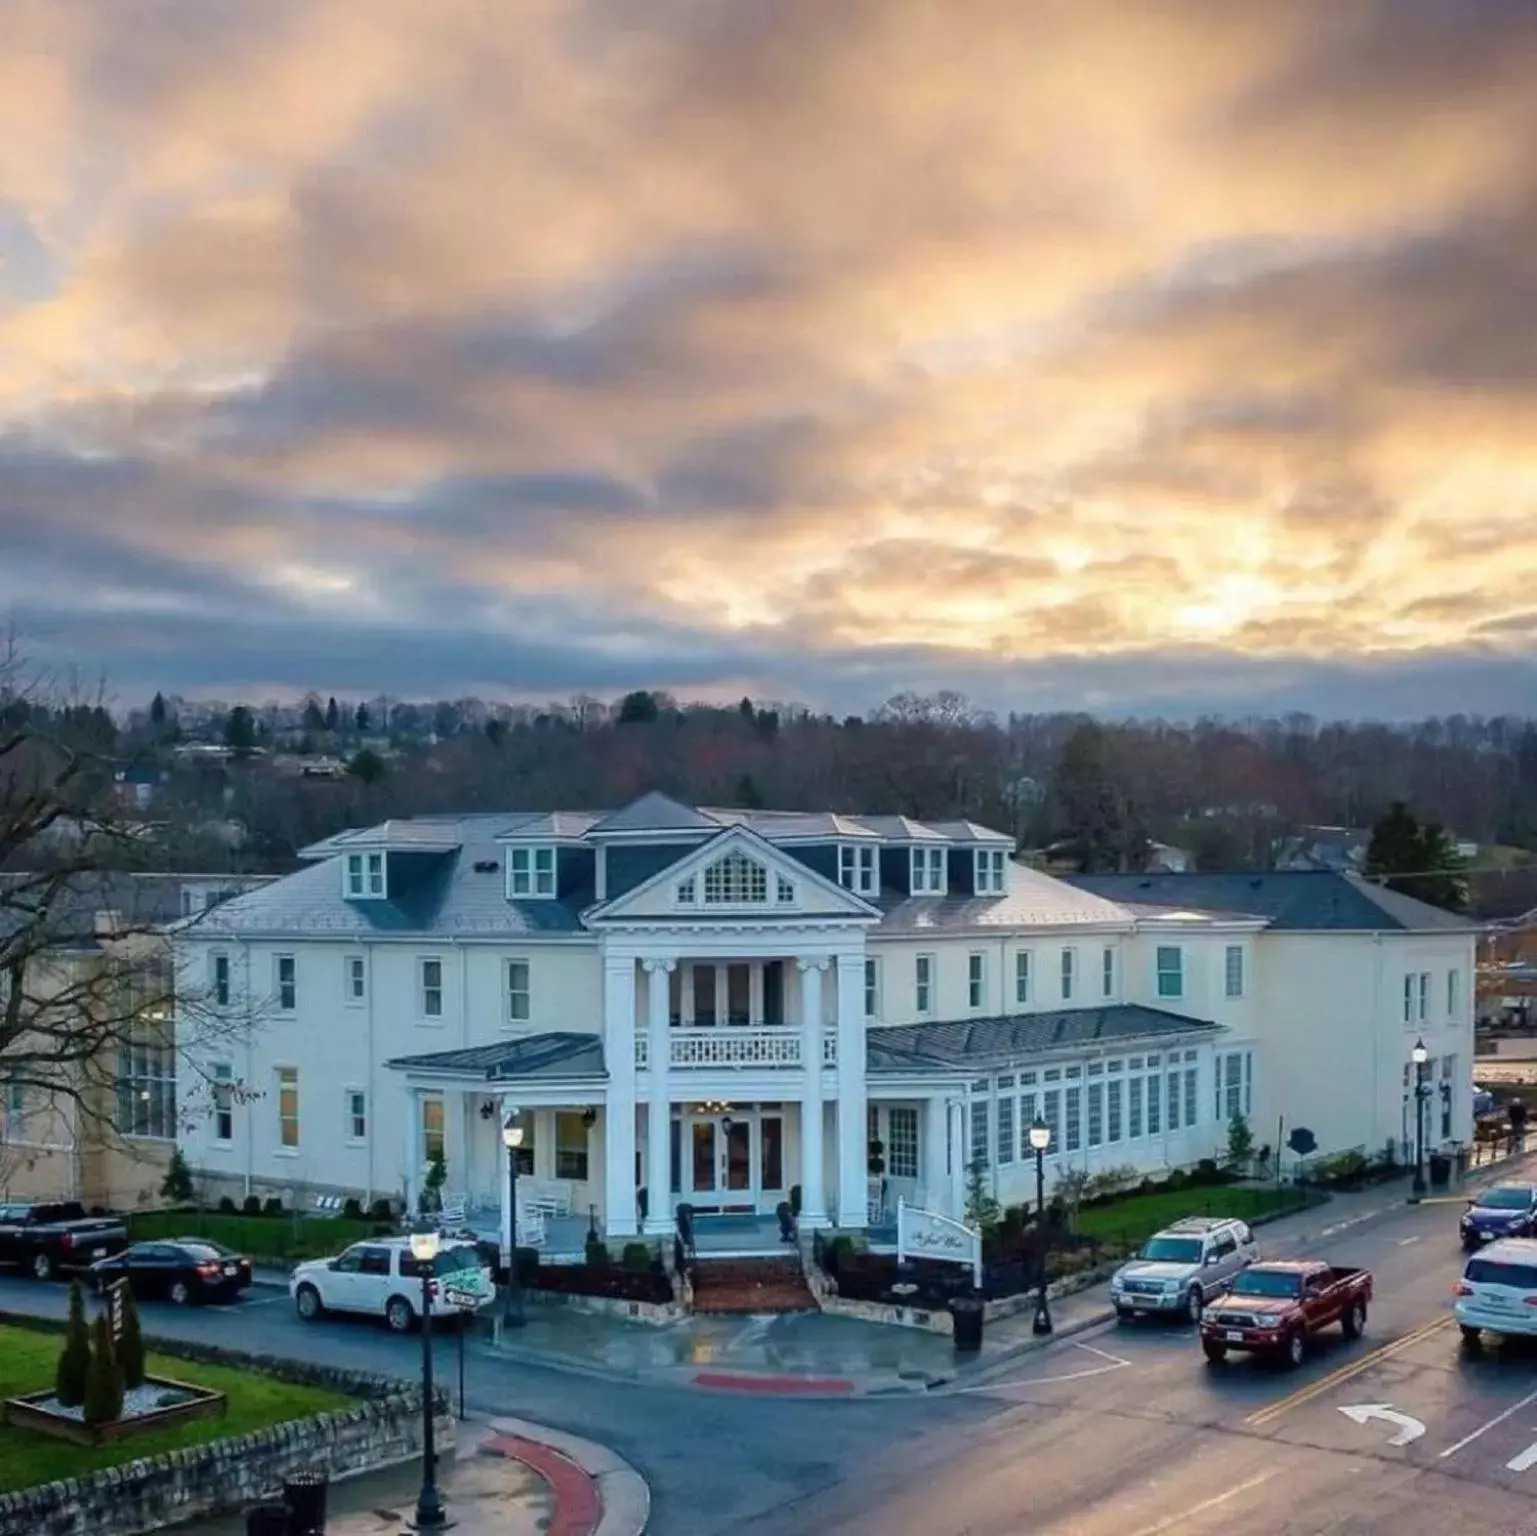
(717, 1006)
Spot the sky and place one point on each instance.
(1143, 356)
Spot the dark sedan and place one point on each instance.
(185, 1271)
(1507, 1210)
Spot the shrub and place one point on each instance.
(982, 1210)
(352, 1208)
(1206, 1172)
(636, 1256)
(430, 1198)
(103, 1386)
(176, 1186)
(528, 1265)
(272, 1206)
(795, 1200)
(75, 1359)
(130, 1348)
(251, 1205)
(596, 1252)
(1176, 1180)
(1240, 1142)
(382, 1210)
(227, 1207)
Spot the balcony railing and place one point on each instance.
(736, 1047)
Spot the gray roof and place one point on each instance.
(968, 1044)
(900, 829)
(655, 812)
(558, 1055)
(554, 826)
(141, 901)
(970, 832)
(1301, 900)
(1035, 900)
(778, 826)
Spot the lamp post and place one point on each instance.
(1419, 1056)
(512, 1139)
(1040, 1139)
(429, 1507)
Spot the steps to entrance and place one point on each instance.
(738, 1286)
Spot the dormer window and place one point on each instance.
(530, 873)
(928, 872)
(735, 880)
(784, 890)
(686, 890)
(990, 872)
(365, 876)
(857, 868)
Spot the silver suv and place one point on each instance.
(1183, 1267)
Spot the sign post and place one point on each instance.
(467, 1303)
(115, 1308)
(930, 1235)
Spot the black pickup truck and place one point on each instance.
(48, 1238)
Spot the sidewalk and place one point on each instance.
(509, 1478)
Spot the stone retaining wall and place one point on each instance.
(656, 1313)
(384, 1428)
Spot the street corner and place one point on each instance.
(593, 1491)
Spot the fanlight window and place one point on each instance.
(735, 879)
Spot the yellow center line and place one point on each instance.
(1346, 1373)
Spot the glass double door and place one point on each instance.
(728, 1162)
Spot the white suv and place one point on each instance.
(383, 1278)
(1498, 1290)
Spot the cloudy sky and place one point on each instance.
(1069, 352)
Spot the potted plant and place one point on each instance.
(786, 1221)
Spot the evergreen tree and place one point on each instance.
(176, 1186)
(1417, 859)
(130, 1348)
(431, 1197)
(361, 720)
(103, 1385)
(747, 794)
(314, 718)
(333, 714)
(1094, 813)
(240, 731)
(982, 1210)
(745, 709)
(638, 708)
(157, 710)
(75, 1359)
(367, 766)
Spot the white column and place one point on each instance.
(504, 1109)
(686, 995)
(959, 1156)
(755, 993)
(619, 1122)
(658, 1125)
(413, 1158)
(721, 997)
(853, 1129)
(813, 1181)
(934, 1168)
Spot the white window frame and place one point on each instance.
(441, 1100)
(1409, 986)
(736, 880)
(872, 986)
(1107, 971)
(1424, 996)
(221, 1080)
(220, 973)
(902, 1145)
(1023, 966)
(784, 890)
(1162, 971)
(859, 868)
(351, 1115)
(511, 993)
(287, 1148)
(1453, 991)
(1069, 972)
(288, 989)
(989, 871)
(976, 980)
(1233, 968)
(928, 871)
(355, 967)
(364, 877)
(686, 891)
(924, 969)
(425, 990)
(531, 872)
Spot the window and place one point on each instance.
(928, 871)
(1096, 1114)
(1113, 1110)
(1005, 1129)
(1107, 971)
(1051, 1113)
(1453, 992)
(686, 892)
(976, 979)
(1069, 965)
(433, 1141)
(1190, 1095)
(1174, 1101)
(923, 978)
(223, 1101)
(1232, 970)
(355, 979)
(902, 1142)
(1232, 1074)
(1074, 1136)
(430, 993)
(530, 872)
(979, 1146)
(1424, 998)
(1134, 1109)
(1448, 1074)
(1022, 977)
(571, 1141)
(288, 1107)
(375, 1261)
(221, 981)
(1409, 998)
(872, 989)
(519, 998)
(857, 868)
(1171, 970)
(286, 976)
(365, 875)
(784, 890)
(146, 1082)
(357, 1115)
(735, 880)
(988, 871)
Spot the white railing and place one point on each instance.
(734, 1047)
(830, 1048)
(642, 1050)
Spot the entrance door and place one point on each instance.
(720, 1170)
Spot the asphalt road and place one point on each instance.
(1123, 1429)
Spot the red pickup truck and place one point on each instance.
(1274, 1309)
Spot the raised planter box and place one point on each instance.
(32, 1412)
(655, 1313)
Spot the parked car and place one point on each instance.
(184, 1271)
(381, 1277)
(48, 1238)
(1507, 1210)
(1498, 1291)
(1183, 1267)
(1274, 1309)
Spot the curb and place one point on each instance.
(597, 1492)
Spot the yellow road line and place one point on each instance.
(1346, 1373)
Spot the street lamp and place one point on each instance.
(1040, 1139)
(1420, 1057)
(429, 1507)
(512, 1139)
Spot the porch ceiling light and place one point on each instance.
(1040, 1135)
(1419, 1055)
(424, 1245)
(512, 1132)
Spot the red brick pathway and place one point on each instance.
(578, 1506)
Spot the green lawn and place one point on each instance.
(27, 1362)
(281, 1238)
(1133, 1220)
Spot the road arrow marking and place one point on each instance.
(1408, 1429)
(1526, 1460)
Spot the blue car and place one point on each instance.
(1507, 1210)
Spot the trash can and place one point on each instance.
(305, 1495)
(267, 1520)
(967, 1313)
(1460, 1154)
(1440, 1170)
